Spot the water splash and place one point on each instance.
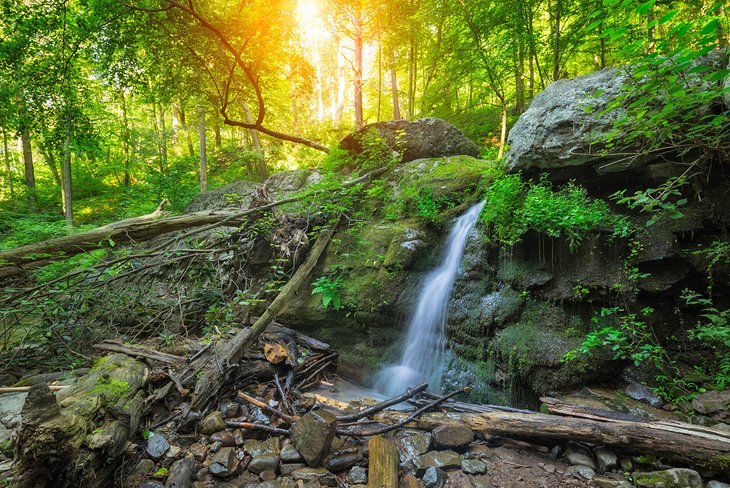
(423, 357)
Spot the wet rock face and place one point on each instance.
(417, 139)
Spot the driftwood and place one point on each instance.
(217, 366)
(139, 229)
(383, 465)
(678, 443)
(366, 412)
(24, 389)
(68, 439)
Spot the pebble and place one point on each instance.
(213, 422)
(289, 454)
(434, 478)
(357, 475)
(224, 437)
(199, 451)
(263, 462)
(473, 466)
(579, 472)
(157, 445)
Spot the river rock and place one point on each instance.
(415, 139)
(321, 475)
(641, 393)
(289, 468)
(199, 451)
(611, 483)
(223, 461)
(439, 459)
(312, 436)
(213, 422)
(670, 478)
(579, 454)
(141, 471)
(358, 475)
(341, 461)
(151, 484)
(413, 444)
(270, 446)
(434, 478)
(473, 466)
(289, 454)
(157, 445)
(579, 472)
(263, 462)
(717, 484)
(606, 459)
(230, 408)
(11, 404)
(224, 437)
(712, 402)
(450, 436)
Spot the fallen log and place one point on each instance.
(139, 229)
(75, 437)
(678, 443)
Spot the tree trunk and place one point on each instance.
(341, 85)
(77, 437)
(47, 154)
(28, 163)
(125, 140)
(357, 37)
(294, 111)
(8, 167)
(189, 137)
(555, 14)
(259, 171)
(394, 89)
(380, 77)
(163, 133)
(203, 150)
(175, 124)
(411, 77)
(318, 87)
(503, 133)
(676, 442)
(67, 188)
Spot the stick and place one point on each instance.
(410, 392)
(410, 418)
(137, 351)
(311, 378)
(282, 393)
(249, 425)
(23, 389)
(266, 408)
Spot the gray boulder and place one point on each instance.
(313, 435)
(670, 478)
(416, 139)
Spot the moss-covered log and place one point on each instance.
(75, 437)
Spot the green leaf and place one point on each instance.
(710, 27)
(668, 16)
(645, 7)
(595, 24)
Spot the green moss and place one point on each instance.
(110, 389)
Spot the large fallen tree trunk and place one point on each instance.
(69, 439)
(139, 229)
(679, 443)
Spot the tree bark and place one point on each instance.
(28, 163)
(340, 107)
(394, 89)
(189, 138)
(8, 167)
(357, 37)
(47, 154)
(67, 187)
(676, 442)
(203, 150)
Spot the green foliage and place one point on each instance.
(330, 287)
(661, 202)
(513, 207)
(671, 83)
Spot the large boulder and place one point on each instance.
(416, 139)
(558, 128)
(567, 124)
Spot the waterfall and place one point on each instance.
(423, 355)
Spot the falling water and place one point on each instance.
(423, 357)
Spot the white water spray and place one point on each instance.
(423, 357)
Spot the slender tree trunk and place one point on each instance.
(503, 133)
(357, 37)
(294, 111)
(191, 149)
(163, 134)
(175, 125)
(203, 151)
(411, 77)
(318, 88)
(340, 84)
(67, 188)
(380, 76)
(394, 89)
(51, 163)
(556, 38)
(125, 139)
(218, 136)
(28, 163)
(256, 143)
(8, 167)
